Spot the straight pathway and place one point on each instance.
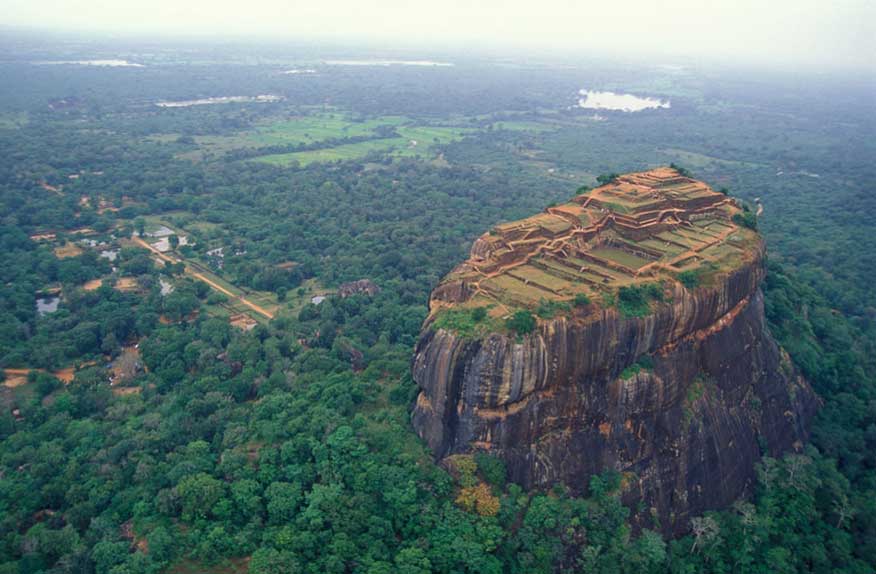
(197, 275)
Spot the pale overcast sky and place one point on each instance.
(838, 33)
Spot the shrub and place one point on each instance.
(522, 322)
(630, 371)
(689, 279)
(643, 363)
(466, 469)
(478, 499)
(631, 295)
(646, 362)
(547, 309)
(683, 171)
(581, 300)
(46, 384)
(464, 322)
(746, 219)
(653, 291)
(633, 300)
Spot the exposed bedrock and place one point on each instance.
(686, 433)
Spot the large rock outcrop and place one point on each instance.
(682, 400)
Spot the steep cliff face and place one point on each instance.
(682, 401)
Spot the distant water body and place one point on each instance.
(264, 98)
(98, 63)
(424, 63)
(593, 100)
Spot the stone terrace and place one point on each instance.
(640, 227)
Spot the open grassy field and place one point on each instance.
(302, 130)
(162, 138)
(202, 226)
(341, 152)
(523, 126)
(695, 160)
(414, 141)
(12, 120)
(307, 129)
(315, 128)
(426, 137)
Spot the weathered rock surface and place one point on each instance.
(364, 286)
(686, 432)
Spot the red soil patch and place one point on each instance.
(93, 285)
(18, 377)
(65, 375)
(126, 284)
(67, 250)
(15, 377)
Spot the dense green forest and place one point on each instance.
(143, 431)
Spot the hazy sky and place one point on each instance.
(839, 33)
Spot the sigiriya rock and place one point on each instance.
(640, 346)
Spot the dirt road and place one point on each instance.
(197, 275)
